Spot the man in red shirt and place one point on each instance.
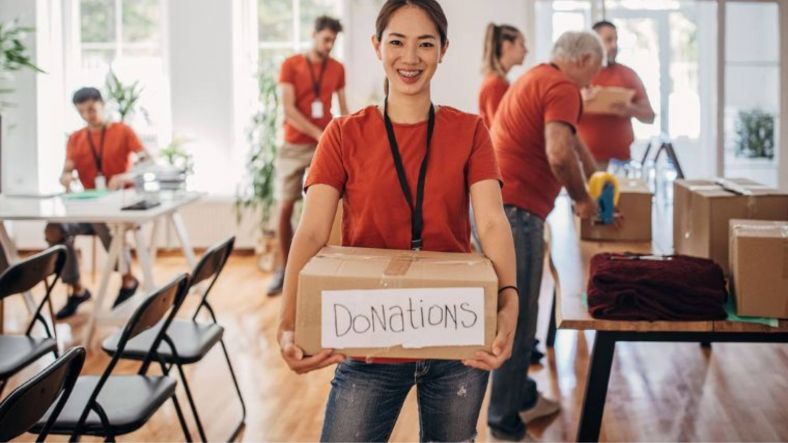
(533, 134)
(101, 154)
(307, 83)
(609, 136)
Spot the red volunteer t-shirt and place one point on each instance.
(610, 136)
(120, 142)
(354, 157)
(295, 71)
(492, 91)
(543, 94)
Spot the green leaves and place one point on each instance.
(755, 134)
(257, 192)
(14, 54)
(124, 97)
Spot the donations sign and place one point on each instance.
(411, 318)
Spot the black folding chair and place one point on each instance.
(26, 404)
(110, 405)
(193, 339)
(18, 351)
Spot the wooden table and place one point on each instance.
(105, 209)
(570, 259)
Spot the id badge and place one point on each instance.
(101, 182)
(317, 109)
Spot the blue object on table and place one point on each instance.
(607, 208)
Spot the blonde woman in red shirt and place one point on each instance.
(504, 48)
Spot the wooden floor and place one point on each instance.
(658, 392)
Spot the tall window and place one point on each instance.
(285, 27)
(752, 85)
(125, 36)
(671, 44)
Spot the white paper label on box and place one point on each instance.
(411, 318)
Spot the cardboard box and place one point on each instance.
(703, 208)
(606, 97)
(634, 205)
(759, 267)
(369, 270)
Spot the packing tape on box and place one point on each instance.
(729, 186)
(780, 227)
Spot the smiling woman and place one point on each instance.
(405, 172)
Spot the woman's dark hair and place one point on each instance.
(86, 94)
(326, 22)
(431, 7)
(493, 41)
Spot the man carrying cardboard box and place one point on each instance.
(608, 133)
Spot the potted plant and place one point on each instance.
(14, 56)
(177, 156)
(755, 134)
(255, 194)
(124, 98)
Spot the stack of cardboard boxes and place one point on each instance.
(723, 220)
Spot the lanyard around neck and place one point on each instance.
(417, 216)
(97, 154)
(316, 84)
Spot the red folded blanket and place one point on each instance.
(639, 287)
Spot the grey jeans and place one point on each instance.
(512, 389)
(64, 233)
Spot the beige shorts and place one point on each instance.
(292, 161)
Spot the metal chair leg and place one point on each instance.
(238, 390)
(551, 326)
(182, 420)
(191, 403)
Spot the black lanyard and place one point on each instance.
(97, 155)
(316, 84)
(417, 218)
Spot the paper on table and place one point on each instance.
(88, 194)
(411, 318)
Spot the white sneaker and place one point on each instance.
(526, 438)
(542, 408)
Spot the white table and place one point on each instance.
(105, 209)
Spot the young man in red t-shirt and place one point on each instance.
(101, 153)
(609, 136)
(533, 134)
(307, 83)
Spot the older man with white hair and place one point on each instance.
(538, 151)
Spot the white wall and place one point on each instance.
(200, 58)
(31, 126)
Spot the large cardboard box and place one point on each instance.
(634, 206)
(362, 272)
(703, 208)
(759, 267)
(606, 99)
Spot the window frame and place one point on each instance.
(158, 133)
(296, 44)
